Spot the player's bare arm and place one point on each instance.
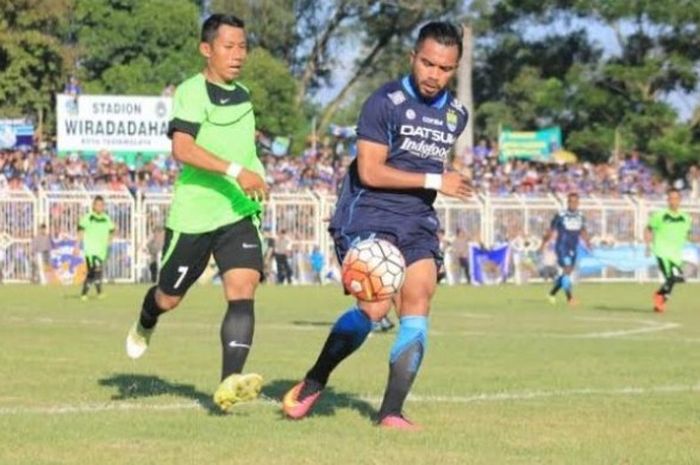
(374, 172)
(186, 150)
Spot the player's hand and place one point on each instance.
(252, 184)
(455, 184)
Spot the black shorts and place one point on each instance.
(186, 256)
(93, 263)
(670, 270)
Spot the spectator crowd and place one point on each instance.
(322, 167)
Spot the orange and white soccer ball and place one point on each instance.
(373, 270)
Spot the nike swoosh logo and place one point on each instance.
(250, 246)
(223, 100)
(236, 344)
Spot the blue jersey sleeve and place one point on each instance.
(556, 223)
(375, 120)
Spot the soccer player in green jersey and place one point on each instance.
(95, 231)
(667, 232)
(216, 206)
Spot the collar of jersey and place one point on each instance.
(231, 86)
(409, 86)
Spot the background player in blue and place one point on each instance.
(405, 133)
(568, 226)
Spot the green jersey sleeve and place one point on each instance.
(655, 221)
(189, 110)
(84, 221)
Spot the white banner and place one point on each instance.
(118, 123)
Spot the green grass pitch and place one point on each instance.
(507, 379)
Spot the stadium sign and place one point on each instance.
(124, 125)
(529, 145)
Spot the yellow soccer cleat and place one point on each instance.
(84, 298)
(137, 340)
(237, 388)
(552, 300)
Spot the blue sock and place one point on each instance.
(347, 335)
(404, 361)
(567, 285)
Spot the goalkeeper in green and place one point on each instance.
(95, 231)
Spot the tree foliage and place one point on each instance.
(536, 63)
(272, 90)
(567, 78)
(33, 57)
(136, 47)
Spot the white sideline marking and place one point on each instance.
(526, 395)
(62, 409)
(475, 316)
(649, 326)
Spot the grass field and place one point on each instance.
(508, 379)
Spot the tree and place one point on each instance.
(125, 50)
(33, 58)
(602, 94)
(359, 37)
(272, 90)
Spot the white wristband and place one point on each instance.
(433, 181)
(233, 170)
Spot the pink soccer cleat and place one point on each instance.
(398, 422)
(296, 408)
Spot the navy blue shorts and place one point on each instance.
(416, 238)
(566, 257)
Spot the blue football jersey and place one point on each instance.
(420, 135)
(568, 225)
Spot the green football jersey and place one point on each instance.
(221, 120)
(670, 234)
(96, 231)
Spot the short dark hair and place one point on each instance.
(442, 32)
(98, 198)
(672, 190)
(214, 22)
(572, 194)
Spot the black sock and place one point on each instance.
(347, 335)
(150, 310)
(236, 335)
(86, 286)
(557, 285)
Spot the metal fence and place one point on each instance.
(18, 225)
(61, 212)
(520, 221)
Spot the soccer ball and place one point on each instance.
(373, 270)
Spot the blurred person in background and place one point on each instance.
(41, 255)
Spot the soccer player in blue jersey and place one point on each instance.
(405, 132)
(568, 226)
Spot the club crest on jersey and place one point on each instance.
(397, 98)
(451, 120)
(410, 114)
